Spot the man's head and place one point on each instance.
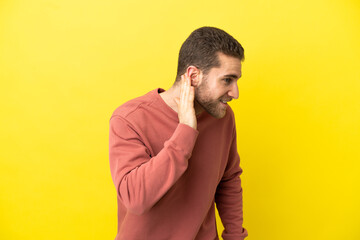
(201, 47)
(212, 59)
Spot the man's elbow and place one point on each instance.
(137, 209)
(134, 204)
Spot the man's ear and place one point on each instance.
(195, 75)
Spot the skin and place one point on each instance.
(196, 92)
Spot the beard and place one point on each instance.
(214, 107)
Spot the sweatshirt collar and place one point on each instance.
(161, 104)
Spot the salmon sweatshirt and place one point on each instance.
(168, 176)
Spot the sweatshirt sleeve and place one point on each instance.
(141, 179)
(228, 197)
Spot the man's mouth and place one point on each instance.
(225, 101)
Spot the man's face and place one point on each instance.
(219, 86)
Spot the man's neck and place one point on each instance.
(174, 92)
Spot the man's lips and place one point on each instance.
(225, 101)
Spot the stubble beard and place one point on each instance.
(211, 106)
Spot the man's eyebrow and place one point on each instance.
(232, 76)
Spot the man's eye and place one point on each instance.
(227, 80)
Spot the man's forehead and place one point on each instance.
(230, 65)
(228, 70)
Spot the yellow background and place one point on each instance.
(66, 65)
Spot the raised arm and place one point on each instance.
(141, 179)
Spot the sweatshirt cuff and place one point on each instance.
(184, 138)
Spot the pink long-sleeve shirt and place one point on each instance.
(168, 175)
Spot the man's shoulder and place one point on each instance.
(230, 111)
(229, 119)
(230, 114)
(131, 106)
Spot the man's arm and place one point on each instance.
(141, 179)
(228, 197)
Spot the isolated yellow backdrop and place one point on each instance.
(66, 65)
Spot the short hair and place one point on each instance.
(201, 49)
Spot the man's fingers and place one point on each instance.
(183, 90)
(191, 94)
(186, 91)
(187, 85)
(186, 109)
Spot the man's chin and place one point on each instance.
(222, 116)
(219, 114)
(213, 109)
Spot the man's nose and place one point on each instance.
(234, 91)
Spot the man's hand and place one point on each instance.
(186, 111)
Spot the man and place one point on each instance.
(173, 153)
